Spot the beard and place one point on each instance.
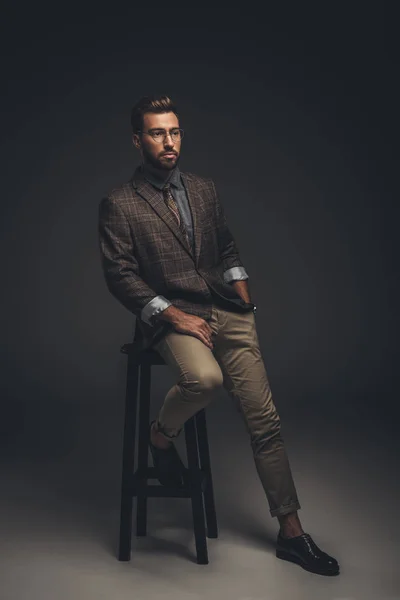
(163, 164)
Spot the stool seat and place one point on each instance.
(198, 479)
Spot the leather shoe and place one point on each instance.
(168, 464)
(303, 551)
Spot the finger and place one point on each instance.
(205, 340)
(208, 334)
(207, 328)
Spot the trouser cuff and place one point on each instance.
(285, 509)
(171, 434)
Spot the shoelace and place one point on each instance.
(314, 551)
(312, 548)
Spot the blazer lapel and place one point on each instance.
(195, 201)
(156, 201)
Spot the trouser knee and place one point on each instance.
(204, 382)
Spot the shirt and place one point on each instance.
(160, 303)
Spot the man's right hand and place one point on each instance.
(193, 325)
(189, 324)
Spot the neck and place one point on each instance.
(161, 174)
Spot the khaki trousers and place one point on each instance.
(235, 363)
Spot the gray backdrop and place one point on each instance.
(294, 121)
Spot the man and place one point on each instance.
(169, 257)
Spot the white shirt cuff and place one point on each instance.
(155, 306)
(235, 274)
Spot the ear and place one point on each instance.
(136, 141)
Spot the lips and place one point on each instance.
(169, 154)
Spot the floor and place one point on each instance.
(60, 525)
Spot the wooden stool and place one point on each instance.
(135, 483)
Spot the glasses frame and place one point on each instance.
(167, 133)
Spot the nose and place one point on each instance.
(166, 142)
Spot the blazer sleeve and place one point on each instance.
(228, 250)
(120, 267)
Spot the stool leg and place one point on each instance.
(196, 492)
(143, 449)
(128, 460)
(204, 452)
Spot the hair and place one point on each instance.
(154, 104)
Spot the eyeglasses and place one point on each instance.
(159, 135)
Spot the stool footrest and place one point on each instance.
(161, 491)
(195, 479)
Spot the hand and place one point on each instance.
(196, 326)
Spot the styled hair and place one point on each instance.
(155, 104)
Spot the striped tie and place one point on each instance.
(170, 202)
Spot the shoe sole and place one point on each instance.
(294, 559)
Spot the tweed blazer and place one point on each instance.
(144, 253)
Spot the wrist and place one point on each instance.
(170, 314)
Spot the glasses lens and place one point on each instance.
(158, 137)
(176, 135)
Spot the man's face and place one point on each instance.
(156, 153)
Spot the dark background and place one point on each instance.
(294, 118)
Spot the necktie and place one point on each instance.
(170, 202)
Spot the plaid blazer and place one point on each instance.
(144, 253)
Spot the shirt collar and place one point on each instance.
(154, 176)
